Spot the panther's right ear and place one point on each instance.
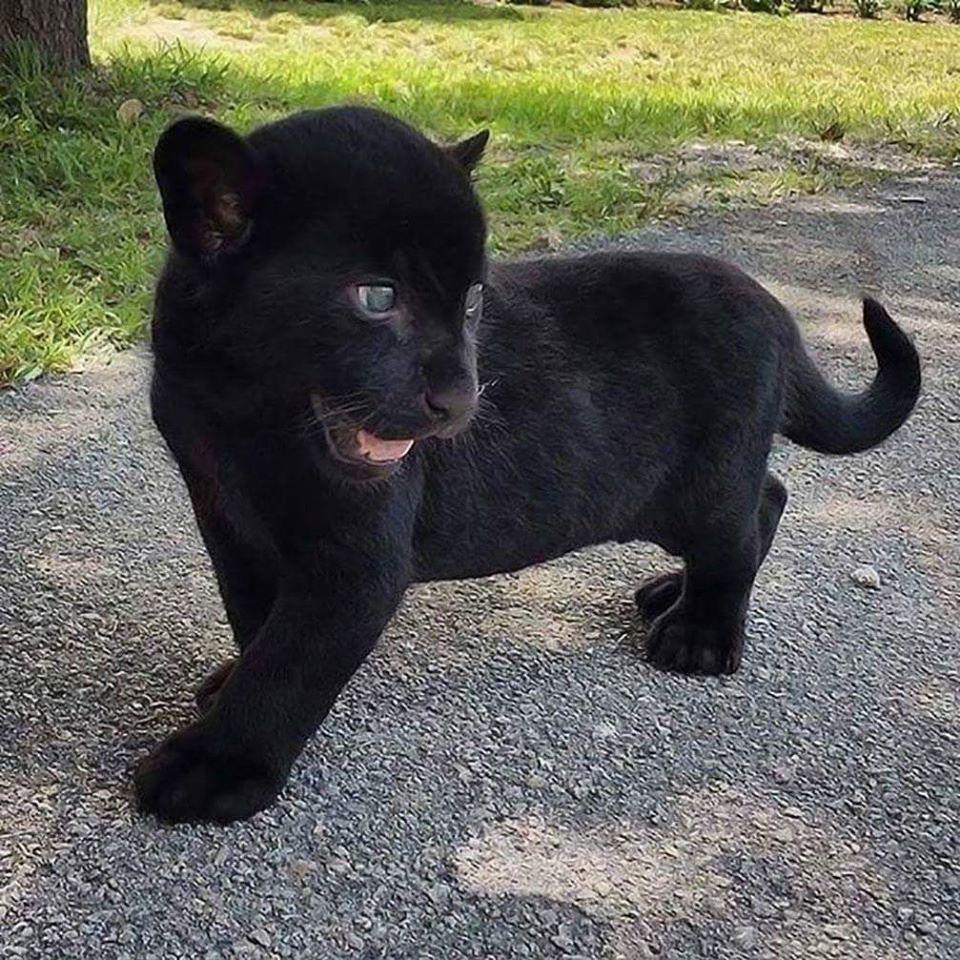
(467, 153)
(210, 181)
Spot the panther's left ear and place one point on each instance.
(210, 183)
(467, 153)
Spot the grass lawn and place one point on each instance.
(590, 110)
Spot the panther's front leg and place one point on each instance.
(236, 758)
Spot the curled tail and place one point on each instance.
(820, 417)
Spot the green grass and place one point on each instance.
(575, 99)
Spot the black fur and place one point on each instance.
(620, 396)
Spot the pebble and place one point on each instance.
(783, 772)
(301, 869)
(836, 931)
(605, 731)
(867, 577)
(764, 909)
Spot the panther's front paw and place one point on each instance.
(186, 779)
(676, 643)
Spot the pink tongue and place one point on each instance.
(373, 448)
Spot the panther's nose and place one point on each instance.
(450, 404)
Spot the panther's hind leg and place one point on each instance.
(658, 594)
(699, 614)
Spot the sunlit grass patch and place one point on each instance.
(577, 100)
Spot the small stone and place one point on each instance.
(904, 914)
(604, 731)
(550, 239)
(783, 772)
(130, 110)
(745, 937)
(439, 894)
(764, 909)
(260, 937)
(911, 198)
(928, 928)
(836, 931)
(301, 869)
(866, 577)
(715, 906)
(536, 782)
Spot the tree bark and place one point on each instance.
(56, 28)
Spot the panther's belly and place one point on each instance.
(475, 529)
(484, 557)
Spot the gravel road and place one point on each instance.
(505, 778)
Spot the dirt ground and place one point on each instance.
(505, 778)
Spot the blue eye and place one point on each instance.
(473, 303)
(376, 299)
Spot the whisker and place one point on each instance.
(337, 410)
(488, 436)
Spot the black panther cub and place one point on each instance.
(326, 327)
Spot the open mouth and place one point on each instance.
(354, 445)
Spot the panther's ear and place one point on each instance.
(209, 181)
(467, 153)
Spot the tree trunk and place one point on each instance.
(56, 28)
